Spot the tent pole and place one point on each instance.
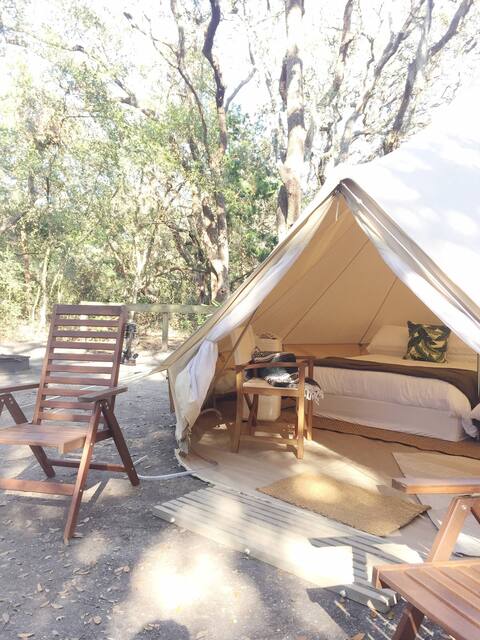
(478, 375)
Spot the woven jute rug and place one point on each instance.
(360, 508)
(466, 448)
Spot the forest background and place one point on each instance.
(156, 151)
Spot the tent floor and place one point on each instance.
(235, 513)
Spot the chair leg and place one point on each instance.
(255, 411)
(81, 476)
(452, 525)
(252, 416)
(310, 405)
(238, 417)
(43, 461)
(300, 425)
(237, 427)
(476, 511)
(19, 418)
(310, 420)
(119, 440)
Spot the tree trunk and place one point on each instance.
(220, 285)
(215, 240)
(43, 287)
(291, 91)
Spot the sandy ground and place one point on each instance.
(133, 576)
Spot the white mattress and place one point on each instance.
(448, 404)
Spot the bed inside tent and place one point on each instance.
(336, 297)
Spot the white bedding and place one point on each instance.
(399, 389)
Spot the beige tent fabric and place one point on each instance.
(392, 240)
(341, 277)
(338, 274)
(191, 367)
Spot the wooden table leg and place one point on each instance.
(441, 550)
(300, 425)
(310, 404)
(409, 624)
(238, 418)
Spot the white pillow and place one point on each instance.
(458, 349)
(390, 340)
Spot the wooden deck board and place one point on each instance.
(325, 553)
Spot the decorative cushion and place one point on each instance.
(427, 342)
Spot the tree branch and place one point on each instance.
(459, 15)
(208, 53)
(238, 88)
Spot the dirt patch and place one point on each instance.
(133, 576)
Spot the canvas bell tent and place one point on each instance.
(392, 240)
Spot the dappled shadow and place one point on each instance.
(132, 575)
(165, 629)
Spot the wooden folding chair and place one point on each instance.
(75, 401)
(446, 591)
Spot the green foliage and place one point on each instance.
(252, 183)
(98, 197)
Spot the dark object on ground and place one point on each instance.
(128, 356)
(14, 363)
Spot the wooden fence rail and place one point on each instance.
(166, 310)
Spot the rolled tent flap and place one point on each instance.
(191, 385)
(416, 213)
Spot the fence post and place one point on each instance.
(165, 320)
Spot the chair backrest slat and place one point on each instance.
(78, 322)
(81, 336)
(80, 357)
(63, 344)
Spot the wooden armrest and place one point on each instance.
(437, 485)
(271, 365)
(103, 394)
(19, 387)
(304, 357)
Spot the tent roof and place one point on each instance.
(429, 188)
(398, 235)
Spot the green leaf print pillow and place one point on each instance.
(427, 342)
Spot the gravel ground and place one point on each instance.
(130, 575)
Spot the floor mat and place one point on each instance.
(344, 502)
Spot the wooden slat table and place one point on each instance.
(447, 592)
